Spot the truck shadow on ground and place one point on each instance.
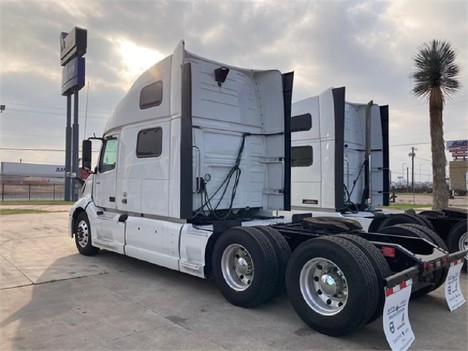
(111, 301)
(80, 299)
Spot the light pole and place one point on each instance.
(420, 178)
(403, 173)
(412, 154)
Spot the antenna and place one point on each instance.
(86, 109)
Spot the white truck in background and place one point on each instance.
(344, 146)
(342, 167)
(194, 168)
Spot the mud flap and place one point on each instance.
(396, 324)
(453, 292)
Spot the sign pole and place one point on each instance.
(72, 48)
(76, 130)
(68, 152)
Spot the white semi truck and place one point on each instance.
(194, 169)
(343, 150)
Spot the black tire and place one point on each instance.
(427, 222)
(83, 240)
(457, 239)
(405, 218)
(431, 235)
(283, 253)
(347, 274)
(409, 229)
(245, 266)
(380, 264)
(431, 214)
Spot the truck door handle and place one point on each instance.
(111, 199)
(124, 201)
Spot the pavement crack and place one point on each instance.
(19, 270)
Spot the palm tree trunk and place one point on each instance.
(440, 193)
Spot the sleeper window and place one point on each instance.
(301, 156)
(149, 143)
(151, 95)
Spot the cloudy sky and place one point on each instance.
(366, 46)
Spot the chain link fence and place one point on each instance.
(29, 191)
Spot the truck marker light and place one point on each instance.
(428, 266)
(388, 251)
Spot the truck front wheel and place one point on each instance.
(245, 266)
(332, 285)
(83, 236)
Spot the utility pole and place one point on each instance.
(412, 154)
(407, 179)
(403, 174)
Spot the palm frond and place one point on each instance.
(435, 67)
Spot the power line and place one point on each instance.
(31, 149)
(46, 113)
(50, 107)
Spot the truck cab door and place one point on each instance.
(105, 179)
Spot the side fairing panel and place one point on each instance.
(238, 138)
(354, 153)
(315, 185)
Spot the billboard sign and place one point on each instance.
(72, 44)
(458, 148)
(73, 75)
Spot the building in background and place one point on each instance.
(30, 173)
(458, 167)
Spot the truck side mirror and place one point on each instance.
(86, 154)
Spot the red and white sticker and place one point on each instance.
(453, 293)
(396, 324)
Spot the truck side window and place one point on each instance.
(301, 123)
(151, 95)
(149, 143)
(108, 155)
(301, 156)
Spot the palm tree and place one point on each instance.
(435, 78)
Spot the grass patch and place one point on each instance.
(35, 202)
(15, 211)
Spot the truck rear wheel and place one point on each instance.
(401, 218)
(245, 266)
(457, 239)
(431, 235)
(283, 253)
(381, 267)
(83, 239)
(418, 231)
(332, 285)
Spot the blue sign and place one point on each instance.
(73, 76)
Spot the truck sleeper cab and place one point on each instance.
(194, 167)
(344, 167)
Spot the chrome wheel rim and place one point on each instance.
(323, 286)
(463, 243)
(82, 233)
(237, 267)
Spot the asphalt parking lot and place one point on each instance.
(55, 299)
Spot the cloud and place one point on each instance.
(366, 46)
